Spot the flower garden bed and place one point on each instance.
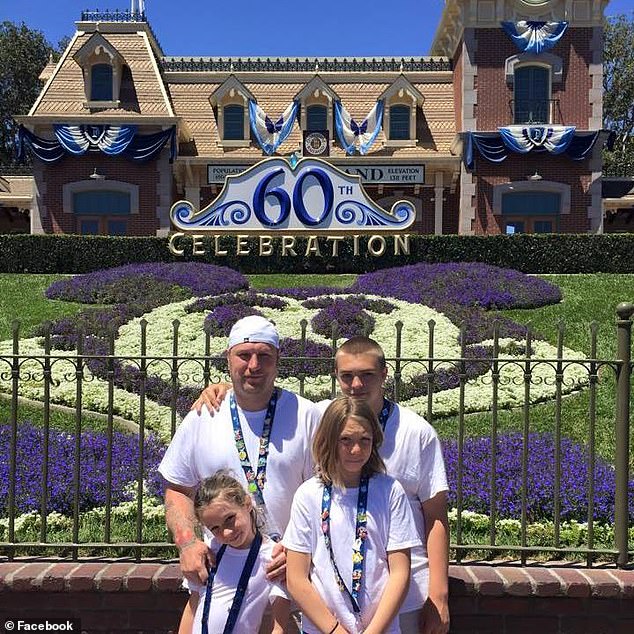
(205, 300)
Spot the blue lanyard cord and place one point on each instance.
(359, 545)
(241, 590)
(255, 480)
(386, 411)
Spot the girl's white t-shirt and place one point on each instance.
(390, 527)
(259, 591)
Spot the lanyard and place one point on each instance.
(255, 480)
(386, 410)
(358, 547)
(232, 619)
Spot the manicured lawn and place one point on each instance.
(22, 298)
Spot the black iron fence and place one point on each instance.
(75, 482)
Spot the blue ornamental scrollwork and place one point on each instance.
(184, 215)
(351, 212)
(275, 195)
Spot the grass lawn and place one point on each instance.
(22, 298)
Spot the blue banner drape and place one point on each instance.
(496, 146)
(535, 37)
(111, 140)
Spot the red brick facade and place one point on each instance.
(485, 599)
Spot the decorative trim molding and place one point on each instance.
(528, 186)
(543, 59)
(304, 64)
(105, 185)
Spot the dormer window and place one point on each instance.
(102, 66)
(233, 120)
(316, 100)
(230, 102)
(399, 122)
(316, 118)
(101, 82)
(402, 100)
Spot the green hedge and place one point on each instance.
(553, 253)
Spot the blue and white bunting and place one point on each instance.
(111, 140)
(535, 37)
(78, 139)
(522, 139)
(270, 135)
(358, 136)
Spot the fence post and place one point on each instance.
(624, 313)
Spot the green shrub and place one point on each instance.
(548, 253)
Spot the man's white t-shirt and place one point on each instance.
(203, 445)
(412, 454)
(390, 527)
(259, 591)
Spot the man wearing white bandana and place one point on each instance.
(261, 433)
(412, 454)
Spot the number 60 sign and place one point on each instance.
(272, 196)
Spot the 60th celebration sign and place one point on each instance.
(312, 196)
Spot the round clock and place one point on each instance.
(316, 143)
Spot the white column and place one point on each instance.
(438, 203)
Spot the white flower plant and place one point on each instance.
(191, 343)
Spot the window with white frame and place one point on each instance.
(230, 102)
(316, 109)
(402, 100)
(531, 206)
(316, 118)
(101, 82)
(102, 66)
(101, 207)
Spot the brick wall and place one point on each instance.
(488, 599)
(518, 167)
(72, 169)
(494, 94)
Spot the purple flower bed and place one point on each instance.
(93, 453)
(248, 298)
(295, 365)
(219, 321)
(462, 283)
(375, 305)
(463, 292)
(351, 318)
(109, 286)
(541, 470)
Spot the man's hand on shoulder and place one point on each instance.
(211, 397)
(195, 560)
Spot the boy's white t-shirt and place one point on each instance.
(260, 592)
(412, 454)
(390, 527)
(204, 444)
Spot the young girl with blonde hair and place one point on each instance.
(351, 529)
(237, 592)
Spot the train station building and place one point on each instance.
(498, 130)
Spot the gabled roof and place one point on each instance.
(96, 45)
(401, 86)
(232, 83)
(63, 97)
(317, 84)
